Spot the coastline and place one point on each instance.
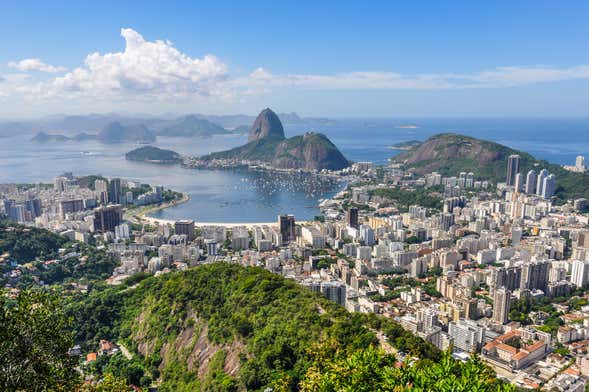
(141, 216)
(141, 213)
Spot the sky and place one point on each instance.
(316, 58)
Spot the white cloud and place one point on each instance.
(144, 69)
(27, 65)
(374, 80)
(149, 72)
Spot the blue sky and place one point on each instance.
(523, 58)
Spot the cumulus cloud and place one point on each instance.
(27, 65)
(144, 68)
(152, 71)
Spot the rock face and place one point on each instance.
(311, 151)
(266, 125)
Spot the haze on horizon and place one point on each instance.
(373, 59)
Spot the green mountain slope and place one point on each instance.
(450, 154)
(227, 328)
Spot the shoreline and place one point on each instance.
(141, 213)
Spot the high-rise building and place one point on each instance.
(531, 182)
(106, 218)
(512, 168)
(212, 247)
(101, 188)
(549, 186)
(535, 275)
(580, 163)
(519, 182)
(501, 304)
(540, 181)
(114, 191)
(352, 217)
(580, 273)
(185, 227)
(335, 291)
(466, 334)
(367, 235)
(70, 206)
(286, 225)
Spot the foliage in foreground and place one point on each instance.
(34, 341)
(278, 323)
(371, 369)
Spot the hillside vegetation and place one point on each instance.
(222, 327)
(449, 154)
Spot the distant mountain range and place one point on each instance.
(267, 143)
(187, 124)
(450, 154)
(135, 129)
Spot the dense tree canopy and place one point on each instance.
(34, 343)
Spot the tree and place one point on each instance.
(34, 343)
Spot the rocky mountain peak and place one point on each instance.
(267, 125)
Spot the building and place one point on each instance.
(101, 188)
(367, 235)
(531, 178)
(535, 275)
(519, 182)
(286, 225)
(517, 349)
(185, 227)
(580, 273)
(512, 168)
(352, 217)
(540, 181)
(212, 247)
(70, 206)
(313, 237)
(501, 304)
(580, 163)
(334, 290)
(106, 218)
(549, 186)
(114, 191)
(466, 335)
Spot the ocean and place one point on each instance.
(241, 196)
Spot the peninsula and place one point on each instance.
(268, 145)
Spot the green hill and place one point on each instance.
(222, 327)
(450, 154)
(153, 154)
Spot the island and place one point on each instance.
(153, 154)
